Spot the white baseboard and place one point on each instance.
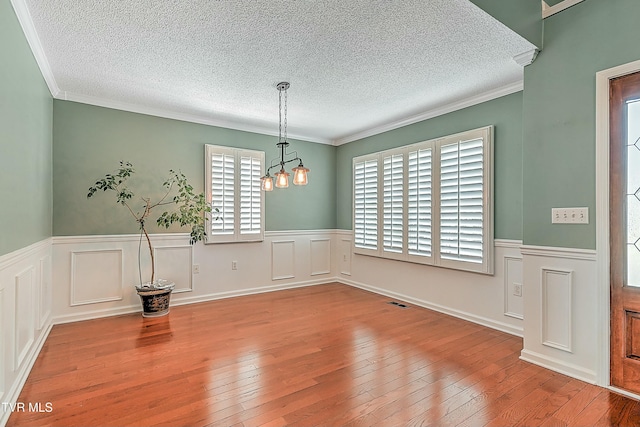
(118, 311)
(14, 392)
(504, 327)
(557, 365)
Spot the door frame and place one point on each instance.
(602, 219)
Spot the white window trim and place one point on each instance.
(487, 264)
(236, 236)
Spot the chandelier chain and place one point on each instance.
(285, 114)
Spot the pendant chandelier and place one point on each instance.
(282, 177)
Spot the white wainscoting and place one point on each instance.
(561, 302)
(513, 303)
(283, 260)
(475, 297)
(25, 315)
(175, 264)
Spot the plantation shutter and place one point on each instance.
(250, 194)
(366, 204)
(419, 202)
(461, 201)
(393, 200)
(223, 193)
(233, 189)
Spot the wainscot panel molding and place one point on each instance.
(560, 301)
(285, 259)
(474, 297)
(25, 315)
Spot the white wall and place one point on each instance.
(25, 316)
(94, 275)
(561, 323)
(487, 300)
(67, 279)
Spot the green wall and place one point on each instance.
(504, 113)
(89, 141)
(559, 114)
(25, 140)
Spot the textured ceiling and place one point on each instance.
(353, 65)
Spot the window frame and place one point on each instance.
(435, 259)
(237, 236)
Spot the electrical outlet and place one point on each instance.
(196, 269)
(570, 215)
(234, 265)
(517, 289)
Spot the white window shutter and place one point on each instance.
(366, 205)
(419, 202)
(461, 201)
(233, 188)
(250, 194)
(393, 203)
(223, 193)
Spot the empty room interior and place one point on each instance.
(420, 212)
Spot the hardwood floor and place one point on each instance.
(328, 355)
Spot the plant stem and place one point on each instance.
(153, 269)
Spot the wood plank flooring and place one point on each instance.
(328, 355)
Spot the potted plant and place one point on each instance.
(188, 210)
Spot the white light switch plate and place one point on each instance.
(570, 215)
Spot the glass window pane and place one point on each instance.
(632, 216)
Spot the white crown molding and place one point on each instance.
(526, 58)
(24, 17)
(176, 115)
(547, 10)
(439, 111)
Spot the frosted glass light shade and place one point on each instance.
(266, 183)
(282, 179)
(300, 175)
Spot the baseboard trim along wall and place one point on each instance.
(545, 295)
(25, 316)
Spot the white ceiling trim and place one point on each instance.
(429, 114)
(526, 58)
(168, 114)
(547, 10)
(26, 22)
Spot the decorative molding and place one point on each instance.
(320, 255)
(500, 326)
(189, 267)
(560, 366)
(547, 10)
(291, 233)
(507, 244)
(3, 338)
(345, 250)
(526, 58)
(283, 261)
(602, 211)
(24, 17)
(20, 254)
(74, 280)
(45, 293)
(439, 111)
(109, 312)
(155, 238)
(508, 293)
(24, 318)
(554, 252)
(21, 378)
(556, 308)
(182, 116)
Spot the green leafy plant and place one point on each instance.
(189, 208)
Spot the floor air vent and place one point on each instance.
(398, 304)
